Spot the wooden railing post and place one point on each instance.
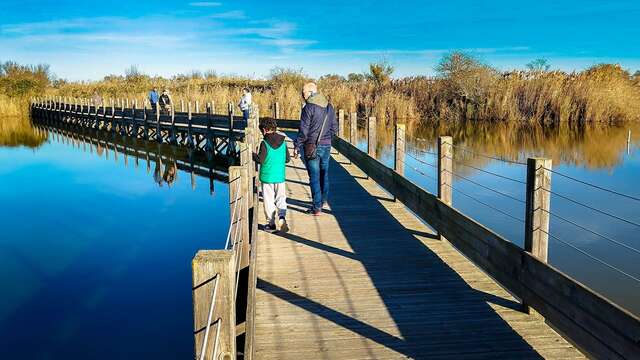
(341, 124)
(189, 140)
(399, 147)
(145, 121)
(538, 204)
(276, 110)
(158, 128)
(445, 169)
(353, 132)
(372, 139)
(211, 269)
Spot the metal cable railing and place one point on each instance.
(489, 172)
(593, 232)
(203, 350)
(469, 196)
(631, 222)
(465, 149)
(486, 187)
(612, 267)
(631, 197)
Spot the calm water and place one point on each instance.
(601, 156)
(95, 256)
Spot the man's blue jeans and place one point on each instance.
(245, 114)
(318, 170)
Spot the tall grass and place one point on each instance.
(465, 89)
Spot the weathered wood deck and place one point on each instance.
(368, 280)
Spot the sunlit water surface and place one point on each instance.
(95, 256)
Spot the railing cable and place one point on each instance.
(420, 172)
(592, 208)
(592, 257)
(488, 156)
(486, 187)
(233, 214)
(211, 308)
(594, 186)
(593, 232)
(489, 172)
(486, 204)
(422, 161)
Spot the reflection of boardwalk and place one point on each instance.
(367, 280)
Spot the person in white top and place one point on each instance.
(245, 103)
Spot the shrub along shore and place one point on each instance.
(464, 89)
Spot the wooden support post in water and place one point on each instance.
(341, 124)
(399, 146)
(372, 139)
(538, 204)
(353, 132)
(213, 279)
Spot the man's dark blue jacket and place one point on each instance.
(313, 114)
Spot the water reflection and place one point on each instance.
(94, 253)
(18, 131)
(589, 146)
(165, 159)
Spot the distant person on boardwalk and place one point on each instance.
(97, 99)
(318, 125)
(153, 98)
(245, 103)
(272, 156)
(165, 101)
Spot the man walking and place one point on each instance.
(318, 125)
(153, 98)
(245, 103)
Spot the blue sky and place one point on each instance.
(87, 40)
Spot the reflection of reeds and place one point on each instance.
(588, 146)
(18, 131)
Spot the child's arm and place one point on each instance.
(261, 155)
(288, 156)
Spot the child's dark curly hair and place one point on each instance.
(268, 125)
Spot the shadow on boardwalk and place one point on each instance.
(404, 299)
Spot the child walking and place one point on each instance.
(272, 156)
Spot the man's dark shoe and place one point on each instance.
(269, 228)
(314, 212)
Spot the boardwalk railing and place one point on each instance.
(224, 281)
(594, 324)
(205, 131)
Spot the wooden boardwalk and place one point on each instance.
(368, 280)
